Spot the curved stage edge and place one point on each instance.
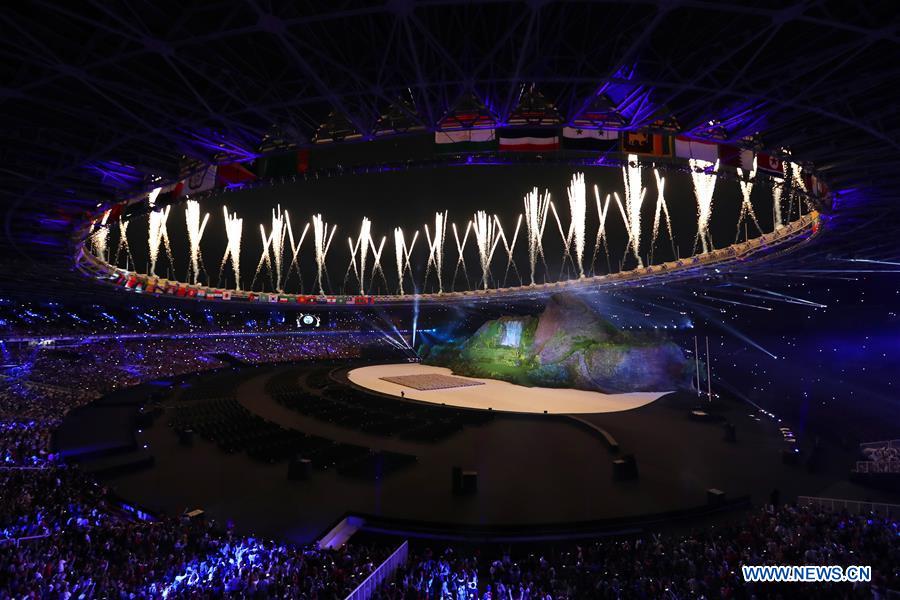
(550, 474)
(493, 394)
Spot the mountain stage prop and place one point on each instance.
(568, 345)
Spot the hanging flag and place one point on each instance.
(644, 142)
(516, 139)
(200, 181)
(577, 138)
(226, 295)
(466, 140)
(735, 156)
(233, 173)
(770, 164)
(689, 148)
(303, 160)
(169, 193)
(115, 211)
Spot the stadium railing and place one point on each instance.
(856, 506)
(373, 582)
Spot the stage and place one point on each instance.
(496, 395)
(560, 464)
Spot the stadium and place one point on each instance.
(416, 299)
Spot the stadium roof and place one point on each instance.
(97, 97)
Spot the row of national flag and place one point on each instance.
(524, 139)
(154, 285)
(645, 143)
(278, 164)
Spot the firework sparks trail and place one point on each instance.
(360, 250)
(157, 231)
(777, 191)
(578, 213)
(460, 256)
(486, 239)
(399, 255)
(536, 207)
(402, 254)
(322, 241)
(634, 198)
(746, 206)
(602, 212)
(277, 234)
(233, 231)
(376, 261)
(703, 175)
(797, 184)
(567, 256)
(436, 248)
(295, 250)
(662, 209)
(510, 248)
(100, 237)
(195, 229)
(265, 258)
(123, 243)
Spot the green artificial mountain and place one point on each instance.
(567, 345)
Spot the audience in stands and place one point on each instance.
(62, 535)
(705, 564)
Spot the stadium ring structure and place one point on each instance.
(786, 237)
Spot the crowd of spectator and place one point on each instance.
(703, 564)
(43, 382)
(53, 319)
(62, 535)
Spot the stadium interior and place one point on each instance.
(425, 299)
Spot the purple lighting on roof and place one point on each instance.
(215, 143)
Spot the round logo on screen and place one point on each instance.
(308, 319)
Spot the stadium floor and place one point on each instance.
(532, 469)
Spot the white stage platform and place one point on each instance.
(498, 395)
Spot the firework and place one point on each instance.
(401, 253)
(486, 239)
(577, 212)
(195, 229)
(634, 198)
(703, 175)
(662, 209)
(233, 231)
(509, 247)
(746, 206)
(157, 232)
(322, 239)
(436, 248)
(460, 256)
(536, 207)
(602, 212)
